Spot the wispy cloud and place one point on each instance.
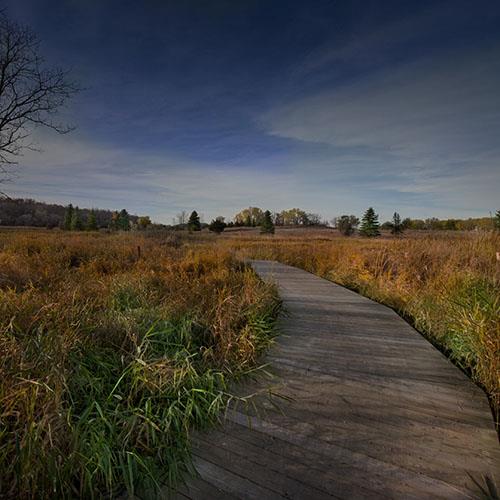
(90, 174)
(431, 127)
(371, 46)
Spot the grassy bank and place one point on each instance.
(111, 354)
(447, 285)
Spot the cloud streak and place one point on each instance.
(78, 171)
(428, 127)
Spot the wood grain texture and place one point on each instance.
(366, 408)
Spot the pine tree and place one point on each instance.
(91, 221)
(497, 219)
(194, 223)
(396, 226)
(267, 226)
(68, 216)
(76, 220)
(123, 222)
(370, 224)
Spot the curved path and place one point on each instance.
(370, 409)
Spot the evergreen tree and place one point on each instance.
(123, 222)
(194, 223)
(217, 225)
(68, 216)
(370, 224)
(267, 226)
(396, 225)
(497, 219)
(76, 220)
(91, 221)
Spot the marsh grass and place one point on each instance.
(110, 356)
(108, 360)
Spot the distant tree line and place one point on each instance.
(120, 221)
(436, 224)
(28, 212)
(348, 224)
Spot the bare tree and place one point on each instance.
(30, 93)
(181, 218)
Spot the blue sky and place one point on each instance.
(326, 105)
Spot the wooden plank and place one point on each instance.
(411, 393)
(232, 484)
(387, 439)
(312, 467)
(199, 489)
(356, 465)
(374, 402)
(243, 462)
(374, 410)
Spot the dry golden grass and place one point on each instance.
(107, 360)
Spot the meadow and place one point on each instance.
(114, 347)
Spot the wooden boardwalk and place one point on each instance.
(375, 410)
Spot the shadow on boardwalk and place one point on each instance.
(375, 411)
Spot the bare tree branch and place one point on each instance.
(30, 93)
